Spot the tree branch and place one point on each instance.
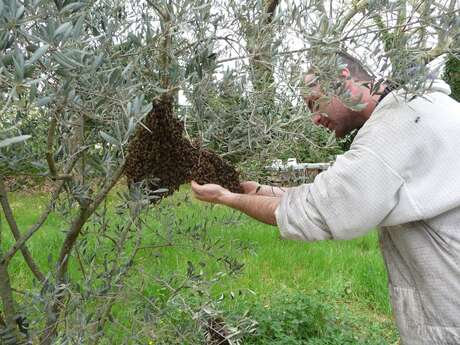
(271, 7)
(49, 147)
(157, 9)
(425, 17)
(442, 47)
(118, 283)
(21, 241)
(69, 242)
(361, 5)
(16, 232)
(6, 295)
(77, 224)
(402, 13)
(165, 59)
(35, 227)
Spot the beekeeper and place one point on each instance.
(401, 175)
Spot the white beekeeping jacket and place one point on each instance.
(402, 175)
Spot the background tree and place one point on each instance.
(452, 76)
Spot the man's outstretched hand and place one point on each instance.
(209, 192)
(259, 207)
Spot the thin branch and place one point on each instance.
(80, 263)
(66, 177)
(415, 10)
(158, 246)
(69, 243)
(157, 9)
(72, 235)
(9, 309)
(17, 233)
(271, 8)
(118, 283)
(54, 308)
(21, 241)
(402, 13)
(108, 187)
(425, 17)
(35, 227)
(361, 5)
(441, 48)
(77, 224)
(49, 146)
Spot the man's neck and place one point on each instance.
(372, 100)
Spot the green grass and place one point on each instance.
(349, 274)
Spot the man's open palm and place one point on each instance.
(208, 192)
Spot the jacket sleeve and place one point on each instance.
(346, 201)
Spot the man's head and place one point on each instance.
(330, 112)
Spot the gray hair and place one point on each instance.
(356, 68)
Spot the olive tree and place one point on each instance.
(67, 62)
(87, 73)
(269, 45)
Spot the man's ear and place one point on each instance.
(310, 79)
(346, 73)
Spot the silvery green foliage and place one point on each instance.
(247, 103)
(76, 80)
(395, 40)
(67, 66)
(75, 62)
(78, 77)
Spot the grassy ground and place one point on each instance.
(346, 274)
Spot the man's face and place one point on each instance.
(330, 112)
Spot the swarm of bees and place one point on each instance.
(210, 168)
(162, 157)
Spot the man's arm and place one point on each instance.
(259, 207)
(256, 206)
(254, 188)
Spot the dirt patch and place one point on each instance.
(29, 185)
(163, 157)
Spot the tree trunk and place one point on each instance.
(9, 333)
(260, 40)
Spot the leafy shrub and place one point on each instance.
(299, 319)
(452, 76)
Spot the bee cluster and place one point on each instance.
(211, 168)
(160, 155)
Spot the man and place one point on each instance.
(402, 175)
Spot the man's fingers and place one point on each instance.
(196, 188)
